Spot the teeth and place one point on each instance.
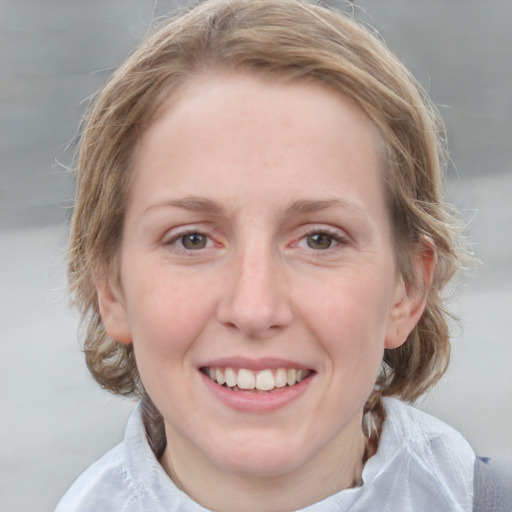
(231, 379)
(281, 378)
(246, 379)
(219, 376)
(264, 380)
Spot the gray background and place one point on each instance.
(54, 53)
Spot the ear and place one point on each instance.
(112, 311)
(409, 301)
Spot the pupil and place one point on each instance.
(319, 241)
(194, 241)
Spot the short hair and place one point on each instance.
(284, 40)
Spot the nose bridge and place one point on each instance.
(256, 280)
(256, 302)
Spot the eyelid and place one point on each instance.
(173, 235)
(338, 235)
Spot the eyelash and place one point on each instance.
(339, 239)
(178, 237)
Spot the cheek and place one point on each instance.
(349, 316)
(166, 312)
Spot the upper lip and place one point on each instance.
(266, 363)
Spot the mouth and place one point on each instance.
(261, 381)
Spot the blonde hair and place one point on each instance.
(280, 40)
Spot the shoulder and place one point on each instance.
(439, 446)
(111, 483)
(105, 485)
(425, 433)
(493, 485)
(128, 478)
(426, 459)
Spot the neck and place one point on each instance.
(336, 467)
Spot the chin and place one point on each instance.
(261, 458)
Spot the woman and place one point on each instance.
(259, 248)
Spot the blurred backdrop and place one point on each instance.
(54, 420)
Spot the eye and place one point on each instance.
(194, 241)
(187, 240)
(321, 241)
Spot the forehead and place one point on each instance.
(252, 134)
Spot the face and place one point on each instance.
(257, 274)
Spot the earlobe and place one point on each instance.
(409, 301)
(112, 311)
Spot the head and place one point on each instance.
(309, 45)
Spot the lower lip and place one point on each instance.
(257, 402)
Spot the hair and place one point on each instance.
(285, 40)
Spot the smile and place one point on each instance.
(249, 380)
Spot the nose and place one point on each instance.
(256, 301)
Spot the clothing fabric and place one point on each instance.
(492, 486)
(421, 465)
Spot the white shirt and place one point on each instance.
(421, 465)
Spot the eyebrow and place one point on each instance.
(197, 204)
(201, 204)
(312, 205)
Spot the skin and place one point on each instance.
(293, 262)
